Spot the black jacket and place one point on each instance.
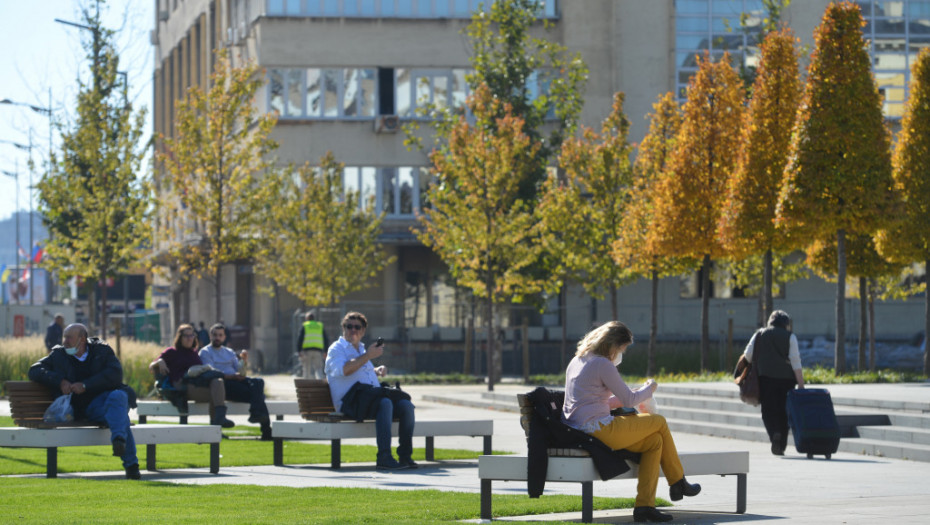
(101, 372)
(548, 431)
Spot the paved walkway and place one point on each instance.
(850, 488)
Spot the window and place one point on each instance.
(391, 8)
(396, 191)
(323, 93)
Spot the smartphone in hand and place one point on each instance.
(379, 342)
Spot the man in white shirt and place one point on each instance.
(348, 362)
(249, 390)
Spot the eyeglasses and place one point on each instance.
(353, 327)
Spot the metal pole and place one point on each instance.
(31, 247)
(18, 248)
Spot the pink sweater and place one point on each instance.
(593, 387)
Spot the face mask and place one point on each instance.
(618, 359)
(71, 351)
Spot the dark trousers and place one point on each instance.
(251, 391)
(773, 395)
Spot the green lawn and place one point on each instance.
(40, 500)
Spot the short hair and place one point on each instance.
(779, 318)
(310, 315)
(59, 316)
(219, 326)
(355, 316)
(82, 330)
(604, 338)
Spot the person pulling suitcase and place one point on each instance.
(773, 350)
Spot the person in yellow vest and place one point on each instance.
(311, 346)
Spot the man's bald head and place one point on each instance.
(75, 336)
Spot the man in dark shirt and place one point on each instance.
(53, 332)
(90, 371)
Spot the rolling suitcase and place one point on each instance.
(813, 422)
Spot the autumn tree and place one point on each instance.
(688, 201)
(211, 202)
(312, 228)
(475, 220)
(630, 249)
(747, 220)
(838, 179)
(908, 238)
(581, 212)
(93, 200)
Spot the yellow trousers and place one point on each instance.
(647, 434)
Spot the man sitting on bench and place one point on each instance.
(350, 371)
(90, 371)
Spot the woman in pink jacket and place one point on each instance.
(593, 387)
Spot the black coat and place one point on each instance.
(548, 431)
(101, 372)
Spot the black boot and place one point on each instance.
(643, 514)
(219, 417)
(682, 488)
(777, 447)
(266, 430)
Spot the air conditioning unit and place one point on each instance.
(163, 16)
(387, 124)
(153, 37)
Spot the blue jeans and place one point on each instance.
(112, 408)
(386, 412)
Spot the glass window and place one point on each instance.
(405, 8)
(423, 8)
(313, 7)
(293, 6)
(276, 91)
(441, 8)
(692, 42)
(423, 183)
(331, 7)
(350, 92)
(403, 92)
(331, 92)
(275, 7)
(917, 44)
(686, 24)
(294, 95)
(369, 184)
(368, 90)
(314, 93)
(350, 182)
(461, 8)
(459, 90)
(368, 8)
(387, 7)
(441, 92)
(889, 8)
(388, 176)
(350, 7)
(405, 188)
(691, 6)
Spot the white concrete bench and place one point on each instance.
(149, 435)
(146, 409)
(334, 432)
(581, 469)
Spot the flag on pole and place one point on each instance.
(25, 276)
(22, 252)
(37, 253)
(4, 274)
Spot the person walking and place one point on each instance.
(773, 350)
(311, 345)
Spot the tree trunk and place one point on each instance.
(872, 325)
(563, 349)
(613, 302)
(705, 312)
(653, 326)
(863, 322)
(840, 349)
(217, 288)
(491, 347)
(103, 307)
(767, 305)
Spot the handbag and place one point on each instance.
(60, 411)
(747, 378)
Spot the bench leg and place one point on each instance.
(430, 451)
(51, 462)
(183, 420)
(143, 420)
(280, 417)
(335, 453)
(487, 446)
(214, 458)
(278, 454)
(150, 457)
(485, 499)
(741, 493)
(587, 501)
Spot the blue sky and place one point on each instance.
(39, 54)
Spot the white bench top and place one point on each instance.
(581, 469)
(165, 408)
(352, 429)
(90, 436)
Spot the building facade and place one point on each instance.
(344, 75)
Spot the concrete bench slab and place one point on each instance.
(334, 432)
(582, 470)
(146, 409)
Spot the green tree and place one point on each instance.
(838, 179)
(631, 249)
(311, 229)
(747, 220)
(908, 239)
(475, 220)
(212, 200)
(93, 199)
(688, 201)
(581, 212)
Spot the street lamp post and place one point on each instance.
(15, 175)
(31, 247)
